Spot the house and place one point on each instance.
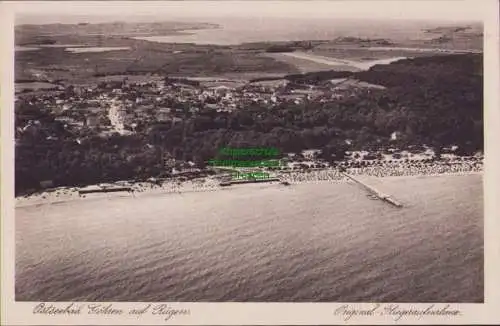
(395, 135)
(310, 153)
(211, 106)
(163, 114)
(175, 120)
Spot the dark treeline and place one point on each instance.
(436, 101)
(172, 80)
(311, 78)
(315, 78)
(279, 49)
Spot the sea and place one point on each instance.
(262, 29)
(312, 242)
(248, 29)
(33, 85)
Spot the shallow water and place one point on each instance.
(262, 29)
(96, 49)
(26, 48)
(308, 242)
(33, 85)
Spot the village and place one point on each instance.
(123, 106)
(127, 108)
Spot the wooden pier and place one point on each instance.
(386, 198)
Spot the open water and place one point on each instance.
(260, 29)
(307, 242)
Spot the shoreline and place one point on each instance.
(205, 184)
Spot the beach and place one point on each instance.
(212, 183)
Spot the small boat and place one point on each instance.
(285, 183)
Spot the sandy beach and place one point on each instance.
(140, 189)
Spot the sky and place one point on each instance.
(55, 11)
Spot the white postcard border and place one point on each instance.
(22, 313)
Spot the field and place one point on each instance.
(304, 65)
(54, 62)
(51, 61)
(59, 64)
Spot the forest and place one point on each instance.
(437, 101)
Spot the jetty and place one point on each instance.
(386, 198)
(103, 190)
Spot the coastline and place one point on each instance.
(205, 184)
